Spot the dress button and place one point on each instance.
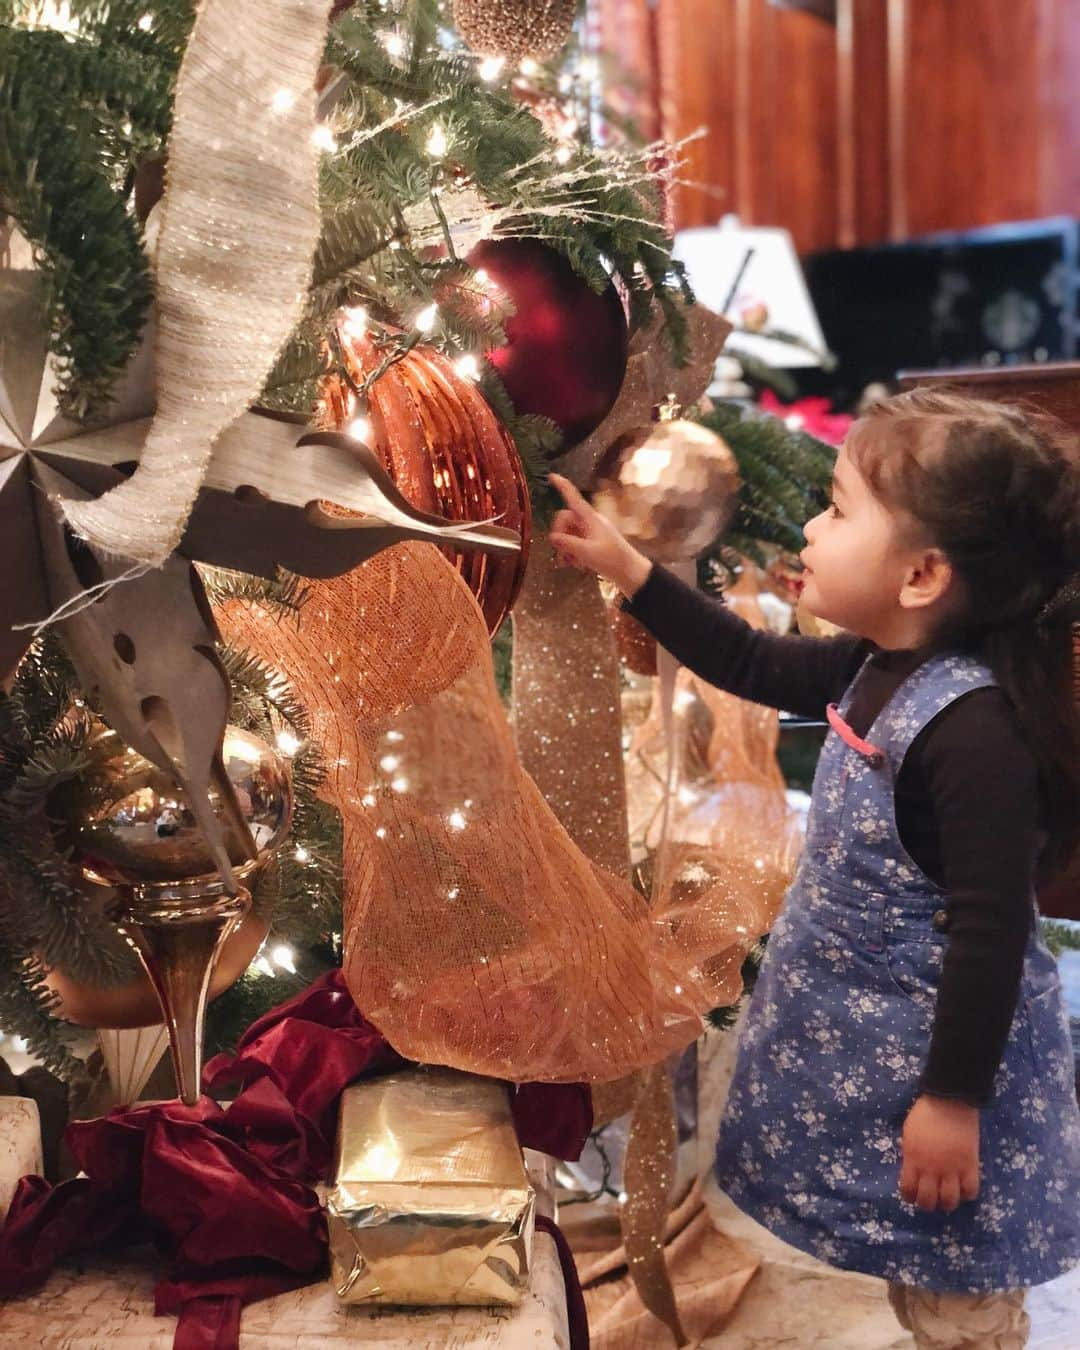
(941, 921)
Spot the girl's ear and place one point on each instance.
(927, 581)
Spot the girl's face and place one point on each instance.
(858, 559)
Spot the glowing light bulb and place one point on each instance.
(389, 763)
(301, 854)
(282, 101)
(354, 321)
(564, 154)
(456, 820)
(394, 44)
(359, 429)
(283, 957)
(588, 69)
(468, 367)
(490, 68)
(425, 320)
(324, 138)
(436, 142)
(287, 743)
(146, 22)
(529, 68)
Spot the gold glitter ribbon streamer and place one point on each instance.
(568, 728)
(240, 224)
(648, 1177)
(567, 719)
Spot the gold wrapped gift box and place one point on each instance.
(430, 1202)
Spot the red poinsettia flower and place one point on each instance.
(812, 415)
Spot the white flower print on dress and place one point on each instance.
(852, 1086)
(810, 1116)
(876, 1231)
(863, 1003)
(871, 825)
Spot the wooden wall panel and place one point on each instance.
(699, 90)
(1059, 91)
(802, 54)
(891, 119)
(862, 125)
(966, 112)
(762, 81)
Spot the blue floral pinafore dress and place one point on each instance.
(837, 1034)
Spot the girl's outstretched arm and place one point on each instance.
(799, 674)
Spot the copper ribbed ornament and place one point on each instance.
(130, 828)
(515, 29)
(446, 451)
(670, 489)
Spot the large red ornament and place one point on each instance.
(447, 453)
(566, 349)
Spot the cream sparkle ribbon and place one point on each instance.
(240, 225)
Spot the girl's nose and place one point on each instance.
(810, 527)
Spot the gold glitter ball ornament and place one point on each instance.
(670, 489)
(515, 29)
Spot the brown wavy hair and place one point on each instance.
(997, 488)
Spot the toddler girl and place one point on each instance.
(904, 1101)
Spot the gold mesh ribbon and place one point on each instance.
(239, 228)
(476, 933)
(708, 800)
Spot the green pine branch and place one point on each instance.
(77, 112)
(785, 478)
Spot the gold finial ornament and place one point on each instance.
(130, 827)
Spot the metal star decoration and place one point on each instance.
(144, 649)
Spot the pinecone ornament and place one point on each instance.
(515, 29)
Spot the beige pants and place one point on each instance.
(962, 1321)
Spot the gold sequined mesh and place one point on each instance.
(476, 933)
(733, 840)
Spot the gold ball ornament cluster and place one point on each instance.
(671, 490)
(515, 29)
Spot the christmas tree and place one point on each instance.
(431, 151)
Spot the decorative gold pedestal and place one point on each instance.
(178, 932)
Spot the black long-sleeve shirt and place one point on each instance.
(967, 803)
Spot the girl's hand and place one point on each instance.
(940, 1147)
(583, 538)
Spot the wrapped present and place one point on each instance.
(430, 1203)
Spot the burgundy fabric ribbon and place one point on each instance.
(226, 1194)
